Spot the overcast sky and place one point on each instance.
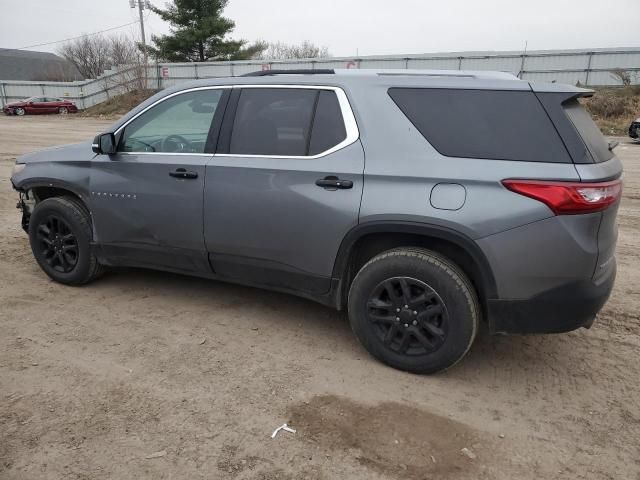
(369, 27)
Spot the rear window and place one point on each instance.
(588, 130)
(487, 124)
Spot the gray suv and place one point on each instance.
(422, 202)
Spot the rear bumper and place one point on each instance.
(557, 310)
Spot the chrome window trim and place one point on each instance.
(160, 100)
(348, 117)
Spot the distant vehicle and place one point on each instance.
(37, 105)
(262, 180)
(634, 129)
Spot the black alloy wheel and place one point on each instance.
(58, 244)
(409, 317)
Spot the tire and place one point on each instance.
(60, 237)
(63, 110)
(439, 326)
(19, 111)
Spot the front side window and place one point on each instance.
(179, 124)
(286, 122)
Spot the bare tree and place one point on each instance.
(284, 51)
(623, 75)
(92, 55)
(123, 50)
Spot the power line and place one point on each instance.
(79, 36)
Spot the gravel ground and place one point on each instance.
(152, 375)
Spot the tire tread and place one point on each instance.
(447, 267)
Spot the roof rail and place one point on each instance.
(306, 71)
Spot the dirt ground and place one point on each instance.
(152, 375)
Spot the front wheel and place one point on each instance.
(19, 111)
(60, 237)
(63, 110)
(414, 310)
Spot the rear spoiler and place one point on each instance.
(559, 88)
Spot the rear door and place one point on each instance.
(146, 200)
(53, 104)
(284, 186)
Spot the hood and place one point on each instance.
(72, 152)
(16, 104)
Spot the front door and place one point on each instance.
(146, 200)
(284, 187)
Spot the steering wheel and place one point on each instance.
(175, 144)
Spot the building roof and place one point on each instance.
(29, 65)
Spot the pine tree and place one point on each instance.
(198, 33)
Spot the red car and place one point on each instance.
(35, 105)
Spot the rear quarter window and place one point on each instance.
(484, 124)
(588, 131)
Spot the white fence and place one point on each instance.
(588, 67)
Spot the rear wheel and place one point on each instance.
(60, 237)
(414, 310)
(63, 110)
(19, 111)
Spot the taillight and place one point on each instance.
(569, 198)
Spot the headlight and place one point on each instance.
(17, 168)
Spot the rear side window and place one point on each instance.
(273, 121)
(328, 126)
(286, 122)
(488, 124)
(588, 131)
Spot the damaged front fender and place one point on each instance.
(26, 203)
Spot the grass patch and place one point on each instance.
(118, 105)
(613, 109)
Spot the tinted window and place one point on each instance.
(273, 121)
(179, 124)
(328, 125)
(588, 130)
(501, 125)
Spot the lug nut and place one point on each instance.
(397, 319)
(397, 309)
(406, 325)
(415, 312)
(415, 322)
(406, 306)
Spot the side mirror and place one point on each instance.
(104, 144)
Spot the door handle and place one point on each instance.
(332, 182)
(183, 173)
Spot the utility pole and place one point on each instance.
(140, 8)
(141, 5)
